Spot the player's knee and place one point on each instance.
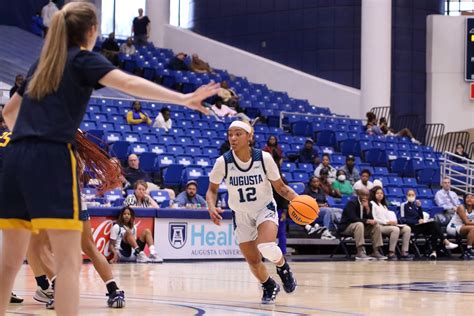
(270, 251)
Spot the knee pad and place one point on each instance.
(270, 251)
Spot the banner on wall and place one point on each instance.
(195, 239)
(101, 227)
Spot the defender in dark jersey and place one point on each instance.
(40, 185)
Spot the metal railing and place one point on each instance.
(470, 150)
(459, 170)
(450, 140)
(433, 135)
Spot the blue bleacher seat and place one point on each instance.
(210, 151)
(140, 129)
(131, 137)
(172, 175)
(113, 195)
(202, 161)
(326, 138)
(157, 148)
(148, 161)
(148, 138)
(120, 149)
(111, 137)
(409, 182)
(350, 147)
(175, 150)
(300, 176)
(185, 141)
(106, 126)
(202, 184)
(87, 125)
(394, 192)
(288, 166)
(138, 148)
(193, 150)
(376, 157)
(123, 128)
(164, 161)
(424, 193)
(160, 196)
(192, 173)
(298, 187)
(395, 181)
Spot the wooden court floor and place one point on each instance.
(227, 288)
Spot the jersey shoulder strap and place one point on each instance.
(258, 156)
(228, 158)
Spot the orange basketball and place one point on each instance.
(303, 210)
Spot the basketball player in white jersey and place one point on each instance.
(249, 174)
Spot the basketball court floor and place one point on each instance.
(228, 288)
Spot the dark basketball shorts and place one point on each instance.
(39, 187)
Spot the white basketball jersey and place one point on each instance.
(249, 190)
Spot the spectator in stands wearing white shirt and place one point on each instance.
(446, 198)
(128, 48)
(163, 119)
(325, 164)
(364, 182)
(223, 110)
(389, 225)
(47, 14)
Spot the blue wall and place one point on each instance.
(409, 56)
(320, 37)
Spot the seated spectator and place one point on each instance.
(37, 25)
(342, 185)
(357, 221)
(411, 214)
(462, 224)
(163, 119)
(383, 124)
(274, 149)
(314, 190)
(110, 49)
(222, 110)
(352, 173)
(179, 62)
(326, 184)
(389, 225)
(128, 48)
(199, 65)
(461, 153)
(133, 173)
(124, 244)
(229, 97)
(371, 127)
(140, 197)
(136, 116)
(308, 154)
(18, 82)
(364, 182)
(189, 198)
(446, 198)
(325, 164)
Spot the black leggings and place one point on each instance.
(430, 229)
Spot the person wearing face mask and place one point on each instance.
(411, 214)
(342, 185)
(462, 224)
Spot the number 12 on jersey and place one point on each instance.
(248, 196)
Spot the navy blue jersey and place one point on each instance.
(58, 115)
(4, 140)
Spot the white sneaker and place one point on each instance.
(142, 258)
(155, 258)
(451, 245)
(433, 255)
(327, 235)
(43, 296)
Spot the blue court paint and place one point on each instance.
(436, 287)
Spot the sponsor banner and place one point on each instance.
(101, 227)
(195, 239)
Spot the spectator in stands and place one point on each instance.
(47, 13)
(462, 224)
(460, 152)
(133, 173)
(199, 65)
(128, 48)
(357, 221)
(308, 154)
(110, 49)
(136, 116)
(411, 214)
(274, 149)
(446, 198)
(179, 62)
(352, 173)
(141, 28)
(326, 185)
(18, 82)
(163, 119)
(223, 110)
(37, 25)
(325, 164)
(383, 124)
(342, 185)
(364, 182)
(389, 225)
(140, 197)
(371, 127)
(314, 190)
(189, 198)
(124, 244)
(228, 95)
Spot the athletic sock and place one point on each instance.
(269, 283)
(42, 282)
(284, 267)
(111, 286)
(53, 282)
(137, 251)
(152, 249)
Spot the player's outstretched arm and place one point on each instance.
(143, 88)
(211, 199)
(284, 190)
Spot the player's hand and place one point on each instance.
(114, 259)
(215, 215)
(371, 222)
(194, 100)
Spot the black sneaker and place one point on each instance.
(289, 282)
(116, 299)
(14, 299)
(270, 294)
